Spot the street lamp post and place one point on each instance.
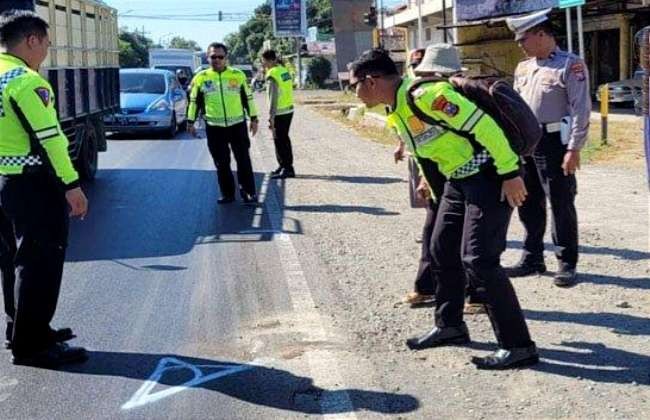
(420, 36)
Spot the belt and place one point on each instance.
(552, 127)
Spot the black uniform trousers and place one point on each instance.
(283, 150)
(469, 237)
(426, 278)
(36, 206)
(220, 142)
(7, 270)
(545, 178)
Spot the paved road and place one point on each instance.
(189, 309)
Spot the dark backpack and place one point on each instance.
(497, 99)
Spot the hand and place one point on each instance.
(271, 124)
(398, 153)
(191, 129)
(515, 191)
(423, 190)
(253, 127)
(78, 202)
(571, 162)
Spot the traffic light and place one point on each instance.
(370, 18)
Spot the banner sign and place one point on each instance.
(486, 9)
(289, 18)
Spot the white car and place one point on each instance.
(625, 91)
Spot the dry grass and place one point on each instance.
(624, 144)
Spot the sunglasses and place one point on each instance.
(354, 85)
(217, 57)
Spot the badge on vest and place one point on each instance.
(442, 104)
(44, 94)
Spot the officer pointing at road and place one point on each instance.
(39, 189)
(555, 84)
(228, 100)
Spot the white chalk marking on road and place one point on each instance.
(144, 396)
(259, 212)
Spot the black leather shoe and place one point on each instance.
(565, 277)
(284, 173)
(249, 198)
(225, 200)
(57, 336)
(58, 354)
(440, 337)
(276, 170)
(508, 359)
(525, 269)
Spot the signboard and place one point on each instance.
(570, 3)
(321, 47)
(289, 18)
(485, 9)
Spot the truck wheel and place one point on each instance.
(173, 128)
(86, 163)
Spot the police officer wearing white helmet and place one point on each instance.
(555, 84)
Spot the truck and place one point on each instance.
(175, 59)
(83, 68)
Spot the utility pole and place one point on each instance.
(299, 62)
(420, 36)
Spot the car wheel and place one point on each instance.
(173, 128)
(86, 163)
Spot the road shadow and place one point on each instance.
(596, 362)
(622, 253)
(618, 323)
(354, 179)
(253, 383)
(144, 213)
(338, 208)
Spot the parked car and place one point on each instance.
(151, 101)
(624, 91)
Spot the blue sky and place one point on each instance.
(201, 32)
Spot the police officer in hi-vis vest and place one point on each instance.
(482, 187)
(279, 85)
(227, 102)
(555, 84)
(39, 189)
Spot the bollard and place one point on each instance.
(604, 110)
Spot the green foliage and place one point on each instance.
(246, 44)
(134, 49)
(318, 70)
(185, 44)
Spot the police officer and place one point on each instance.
(555, 84)
(227, 101)
(470, 230)
(280, 93)
(37, 184)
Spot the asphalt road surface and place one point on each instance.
(189, 309)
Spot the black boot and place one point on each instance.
(440, 337)
(566, 276)
(522, 269)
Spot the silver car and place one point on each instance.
(151, 101)
(624, 91)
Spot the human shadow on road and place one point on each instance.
(338, 208)
(622, 253)
(596, 362)
(253, 383)
(149, 213)
(618, 323)
(354, 179)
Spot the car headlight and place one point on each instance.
(159, 105)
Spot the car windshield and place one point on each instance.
(142, 83)
(174, 69)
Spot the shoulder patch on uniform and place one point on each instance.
(442, 104)
(578, 69)
(44, 94)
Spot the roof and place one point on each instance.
(146, 71)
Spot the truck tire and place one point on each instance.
(173, 128)
(86, 163)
